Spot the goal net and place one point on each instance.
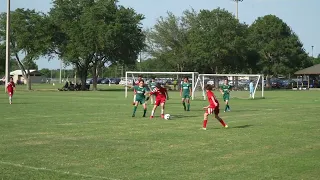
(240, 84)
(171, 79)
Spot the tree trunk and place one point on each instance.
(83, 77)
(94, 77)
(268, 83)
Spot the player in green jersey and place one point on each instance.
(141, 93)
(186, 93)
(225, 91)
(152, 85)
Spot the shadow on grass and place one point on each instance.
(182, 116)
(242, 127)
(111, 90)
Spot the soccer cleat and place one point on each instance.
(144, 116)
(151, 117)
(133, 103)
(162, 116)
(133, 115)
(204, 128)
(226, 126)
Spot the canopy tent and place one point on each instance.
(313, 70)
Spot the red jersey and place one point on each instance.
(10, 86)
(210, 95)
(159, 92)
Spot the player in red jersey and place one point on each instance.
(161, 94)
(212, 108)
(11, 87)
(136, 83)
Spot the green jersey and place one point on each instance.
(185, 88)
(152, 85)
(225, 89)
(140, 92)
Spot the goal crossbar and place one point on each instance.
(193, 74)
(201, 80)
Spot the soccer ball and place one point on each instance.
(167, 116)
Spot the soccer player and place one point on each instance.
(212, 108)
(140, 93)
(11, 87)
(136, 83)
(251, 88)
(161, 94)
(152, 85)
(225, 91)
(186, 93)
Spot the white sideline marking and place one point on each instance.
(55, 171)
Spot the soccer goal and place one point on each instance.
(239, 82)
(131, 76)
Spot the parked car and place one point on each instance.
(276, 83)
(105, 81)
(287, 83)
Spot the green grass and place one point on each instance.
(91, 135)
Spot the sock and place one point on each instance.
(184, 105)
(144, 112)
(10, 98)
(205, 123)
(162, 111)
(152, 113)
(222, 122)
(226, 108)
(134, 98)
(188, 107)
(134, 109)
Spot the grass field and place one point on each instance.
(91, 135)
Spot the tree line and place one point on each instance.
(95, 35)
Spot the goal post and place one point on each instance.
(194, 76)
(243, 82)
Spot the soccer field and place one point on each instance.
(91, 135)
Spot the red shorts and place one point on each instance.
(211, 110)
(10, 93)
(160, 101)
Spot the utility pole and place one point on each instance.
(60, 71)
(237, 7)
(8, 55)
(312, 51)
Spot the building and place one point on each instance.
(309, 77)
(35, 77)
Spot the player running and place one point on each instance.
(161, 94)
(225, 91)
(11, 87)
(136, 83)
(140, 96)
(212, 108)
(152, 85)
(186, 93)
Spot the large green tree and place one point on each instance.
(90, 33)
(280, 50)
(218, 41)
(168, 43)
(27, 38)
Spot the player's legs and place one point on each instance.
(216, 115)
(162, 109)
(226, 100)
(10, 97)
(144, 108)
(153, 110)
(205, 117)
(136, 103)
(188, 102)
(184, 103)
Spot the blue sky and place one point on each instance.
(299, 14)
